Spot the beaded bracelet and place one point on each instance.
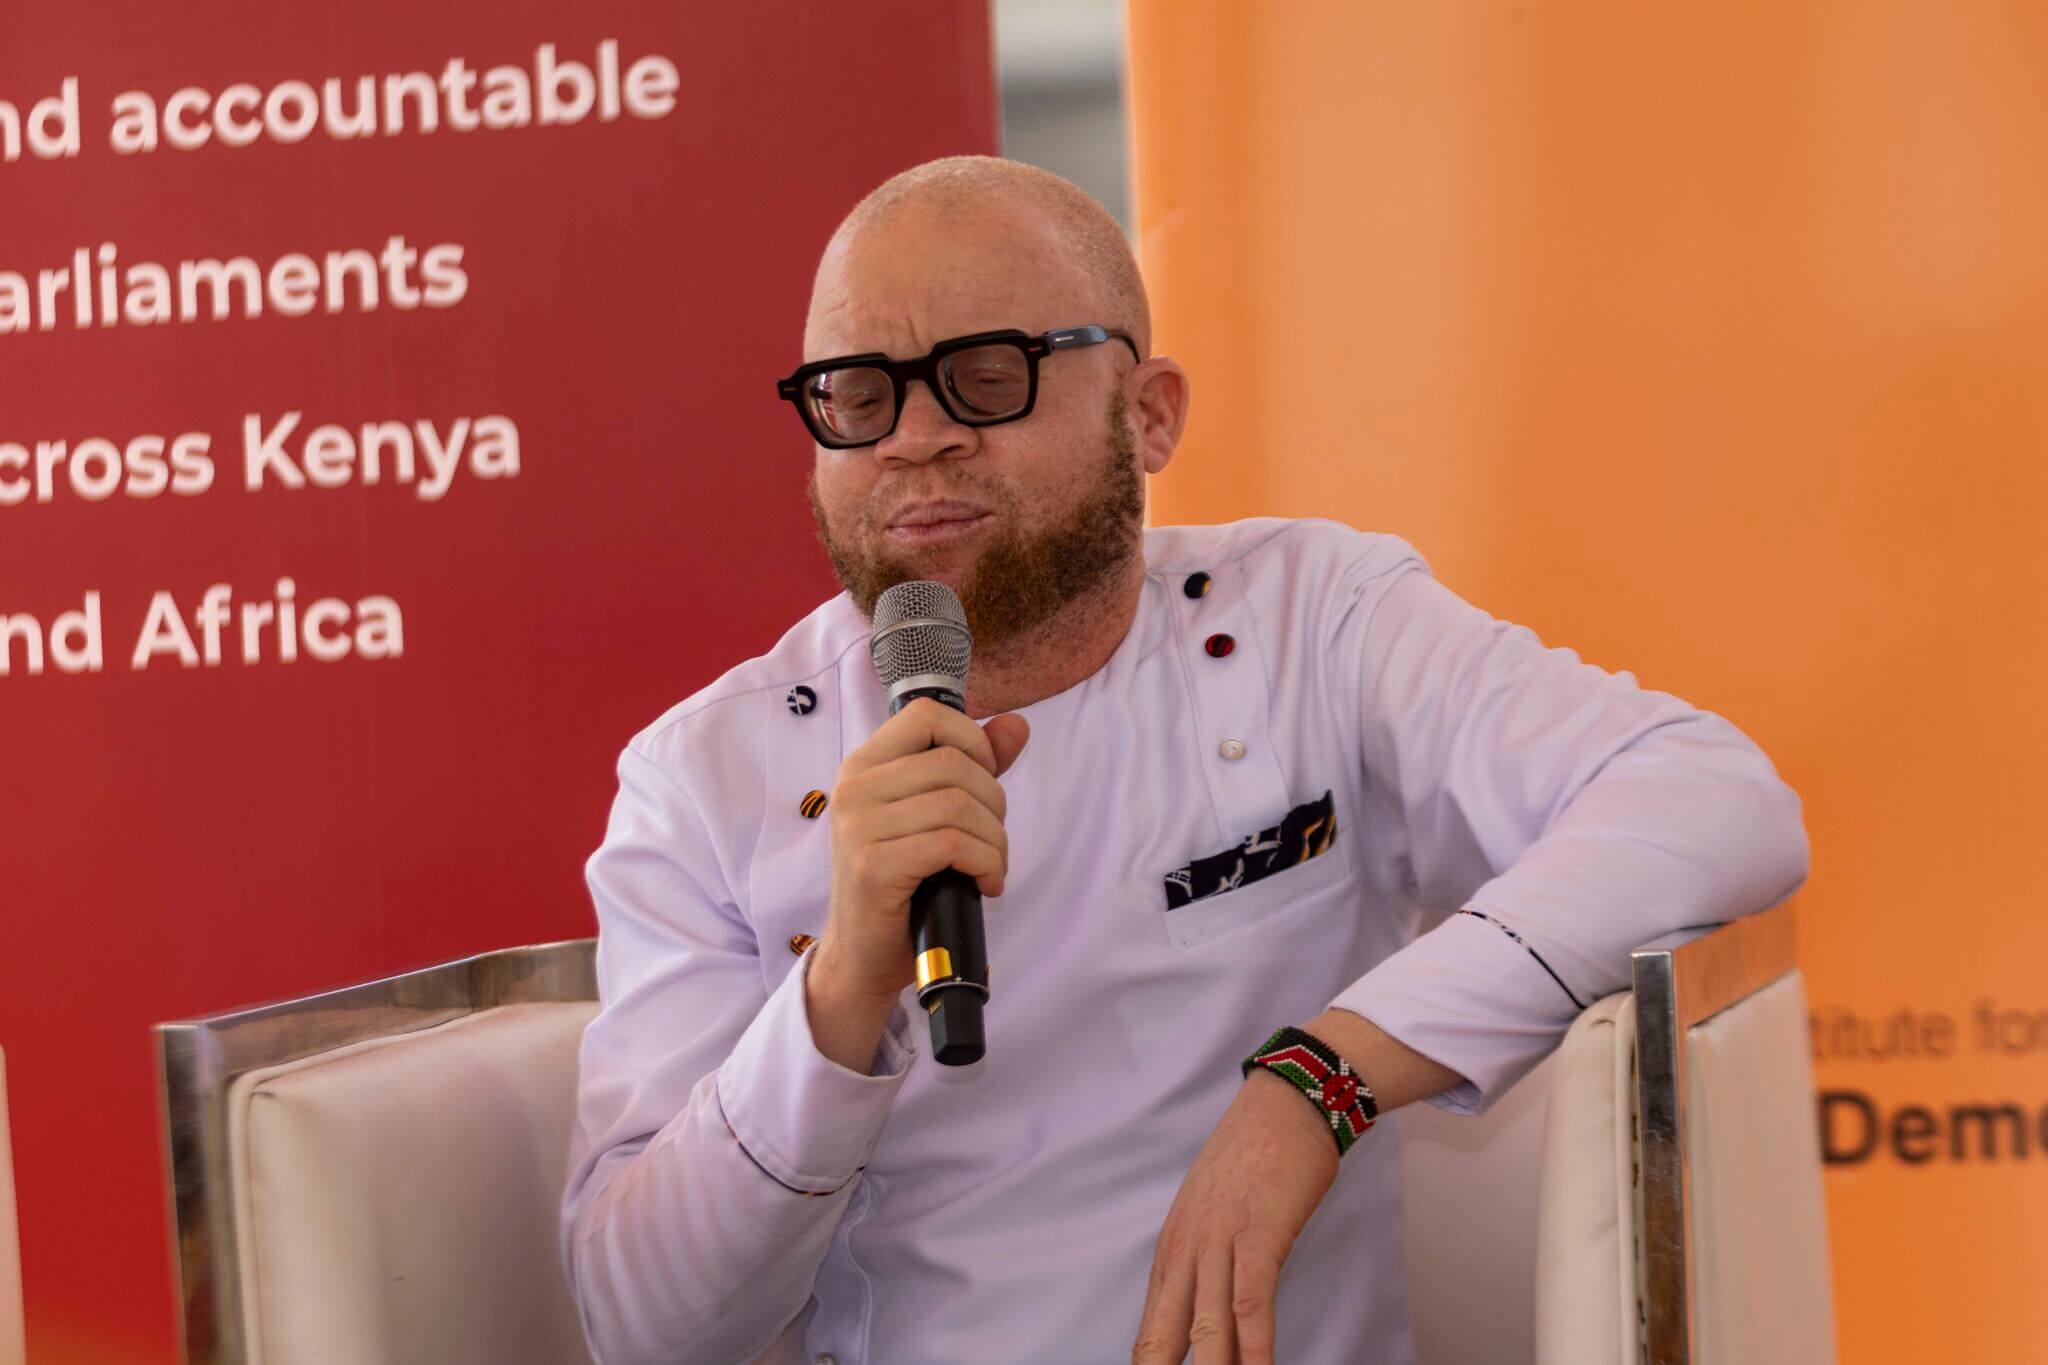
(1314, 1068)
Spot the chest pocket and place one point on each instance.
(1262, 904)
(1265, 851)
(1307, 832)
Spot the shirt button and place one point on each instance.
(1232, 749)
(828, 1359)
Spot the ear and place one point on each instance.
(1156, 396)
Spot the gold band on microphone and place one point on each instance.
(933, 964)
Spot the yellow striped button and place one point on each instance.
(813, 804)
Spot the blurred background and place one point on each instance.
(1061, 70)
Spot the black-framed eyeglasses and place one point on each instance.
(979, 380)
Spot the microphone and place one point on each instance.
(921, 647)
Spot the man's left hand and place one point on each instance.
(1217, 1263)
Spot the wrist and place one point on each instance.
(1336, 1095)
(1277, 1096)
(846, 1025)
(830, 980)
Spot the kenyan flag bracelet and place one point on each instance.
(1313, 1067)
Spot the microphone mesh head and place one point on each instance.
(920, 627)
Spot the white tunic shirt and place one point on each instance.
(727, 1177)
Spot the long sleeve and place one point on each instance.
(1568, 815)
(715, 1146)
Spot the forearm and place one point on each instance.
(1395, 1073)
(658, 1267)
(1687, 827)
(846, 1025)
(706, 1241)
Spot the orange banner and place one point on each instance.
(1707, 341)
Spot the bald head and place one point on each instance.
(1042, 234)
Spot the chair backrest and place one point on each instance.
(373, 1175)
(1682, 1218)
(1761, 1284)
(13, 1345)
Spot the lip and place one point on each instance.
(924, 523)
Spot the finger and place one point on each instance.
(901, 864)
(933, 770)
(1006, 734)
(1255, 1279)
(1213, 1331)
(945, 808)
(1169, 1300)
(920, 726)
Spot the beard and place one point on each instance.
(1021, 579)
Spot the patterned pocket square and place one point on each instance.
(1307, 831)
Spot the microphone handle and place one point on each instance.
(946, 931)
(952, 963)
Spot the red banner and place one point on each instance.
(386, 433)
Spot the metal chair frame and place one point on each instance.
(1675, 989)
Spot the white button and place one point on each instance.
(1231, 748)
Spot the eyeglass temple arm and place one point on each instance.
(1068, 337)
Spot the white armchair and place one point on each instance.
(371, 1176)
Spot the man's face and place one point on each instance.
(1018, 518)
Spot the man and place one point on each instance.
(1209, 779)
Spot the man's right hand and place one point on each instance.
(920, 796)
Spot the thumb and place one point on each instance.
(1006, 735)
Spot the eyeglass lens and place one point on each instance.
(979, 385)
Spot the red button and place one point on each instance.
(1219, 645)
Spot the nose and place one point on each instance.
(925, 431)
